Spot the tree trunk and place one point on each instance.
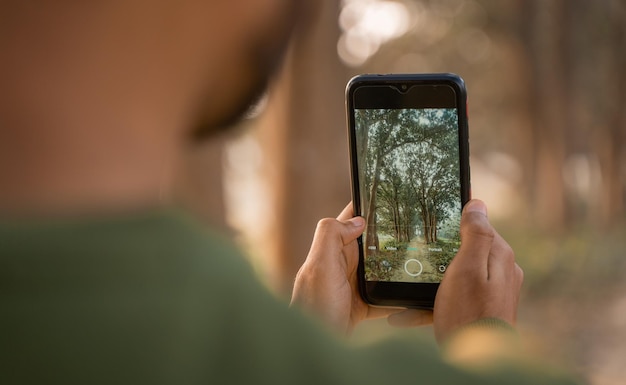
(611, 141)
(371, 238)
(427, 225)
(303, 136)
(549, 100)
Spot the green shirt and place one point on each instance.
(152, 298)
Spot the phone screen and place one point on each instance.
(410, 182)
(409, 173)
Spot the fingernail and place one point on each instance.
(476, 205)
(357, 221)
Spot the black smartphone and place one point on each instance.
(409, 155)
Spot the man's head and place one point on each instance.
(86, 84)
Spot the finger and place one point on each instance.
(411, 318)
(519, 276)
(347, 213)
(477, 237)
(382, 312)
(330, 230)
(501, 263)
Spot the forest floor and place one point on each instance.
(416, 261)
(427, 258)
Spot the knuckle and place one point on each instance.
(508, 255)
(519, 273)
(328, 228)
(326, 224)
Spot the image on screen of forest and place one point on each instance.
(409, 177)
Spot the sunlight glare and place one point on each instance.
(366, 25)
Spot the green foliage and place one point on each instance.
(383, 265)
(409, 169)
(451, 227)
(443, 258)
(393, 243)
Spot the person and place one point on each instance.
(102, 281)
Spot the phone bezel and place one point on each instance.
(403, 294)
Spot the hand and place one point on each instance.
(326, 284)
(482, 281)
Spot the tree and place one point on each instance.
(302, 134)
(410, 162)
(433, 171)
(384, 130)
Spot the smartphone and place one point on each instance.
(409, 155)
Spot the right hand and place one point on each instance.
(482, 281)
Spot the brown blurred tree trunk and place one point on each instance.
(578, 110)
(545, 34)
(611, 141)
(304, 137)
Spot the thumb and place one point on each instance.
(330, 230)
(477, 236)
(352, 229)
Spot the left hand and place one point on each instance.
(326, 284)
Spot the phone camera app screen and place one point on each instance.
(409, 181)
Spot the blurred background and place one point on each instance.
(547, 99)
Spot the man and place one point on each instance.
(101, 282)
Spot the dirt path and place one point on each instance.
(416, 250)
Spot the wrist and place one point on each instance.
(483, 343)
